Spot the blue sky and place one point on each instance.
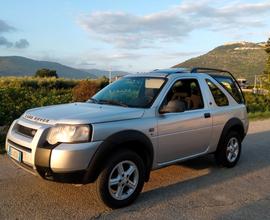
(131, 35)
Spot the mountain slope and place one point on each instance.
(21, 66)
(100, 73)
(244, 59)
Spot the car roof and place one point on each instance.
(163, 73)
(185, 72)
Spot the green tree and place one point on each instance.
(267, 50)
(46, 73)
(266, 77)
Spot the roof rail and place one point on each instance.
(204, 69)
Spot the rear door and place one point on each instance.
(186, 133)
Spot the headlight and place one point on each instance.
(69, 133)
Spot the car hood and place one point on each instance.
(80, 113)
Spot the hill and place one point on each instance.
(244, 59)
(100, 73)
(21, 66)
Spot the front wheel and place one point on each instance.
(229, 150)
(122, 180)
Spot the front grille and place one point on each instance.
(20, 147)
(30, 132)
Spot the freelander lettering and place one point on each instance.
(36, 118)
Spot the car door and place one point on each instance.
(184, 132)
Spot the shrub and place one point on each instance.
(46, 73)
(18, 94)
(85, 90)
(37, 83)
(14, 101)
(257, 103)
(103, 81)
(3, 133)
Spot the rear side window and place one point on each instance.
(219, 97)
(231, 87)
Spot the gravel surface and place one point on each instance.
(196, 189)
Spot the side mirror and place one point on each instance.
(173, 106)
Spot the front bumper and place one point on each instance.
(66, 158)
(49, 162)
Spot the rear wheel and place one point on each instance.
(122, 180)
(229, 150)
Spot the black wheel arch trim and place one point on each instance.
(114, 143)
(231, 124)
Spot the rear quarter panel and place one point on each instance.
(222, 114)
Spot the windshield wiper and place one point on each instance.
(112, 102)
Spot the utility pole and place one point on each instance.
(110, 75)
(255, 83)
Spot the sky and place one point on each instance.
(129, 35)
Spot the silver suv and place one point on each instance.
(137, 124)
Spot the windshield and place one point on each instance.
(139, 92)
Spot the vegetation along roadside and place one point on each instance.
(18, 94)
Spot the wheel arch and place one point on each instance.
(128, 139)
(234, 124)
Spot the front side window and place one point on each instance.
(139, 92)
(219, 97)
(184, 95)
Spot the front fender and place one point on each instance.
(120, 141)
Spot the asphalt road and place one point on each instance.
(197, 189)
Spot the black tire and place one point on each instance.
(102, 183)
(221, 155)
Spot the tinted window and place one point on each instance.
(184, 95)
(219, 97)
(228, 84)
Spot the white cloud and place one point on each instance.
(125, 30)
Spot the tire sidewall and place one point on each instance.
(221, 154)
(103, 179)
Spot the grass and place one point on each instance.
(259, 115)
